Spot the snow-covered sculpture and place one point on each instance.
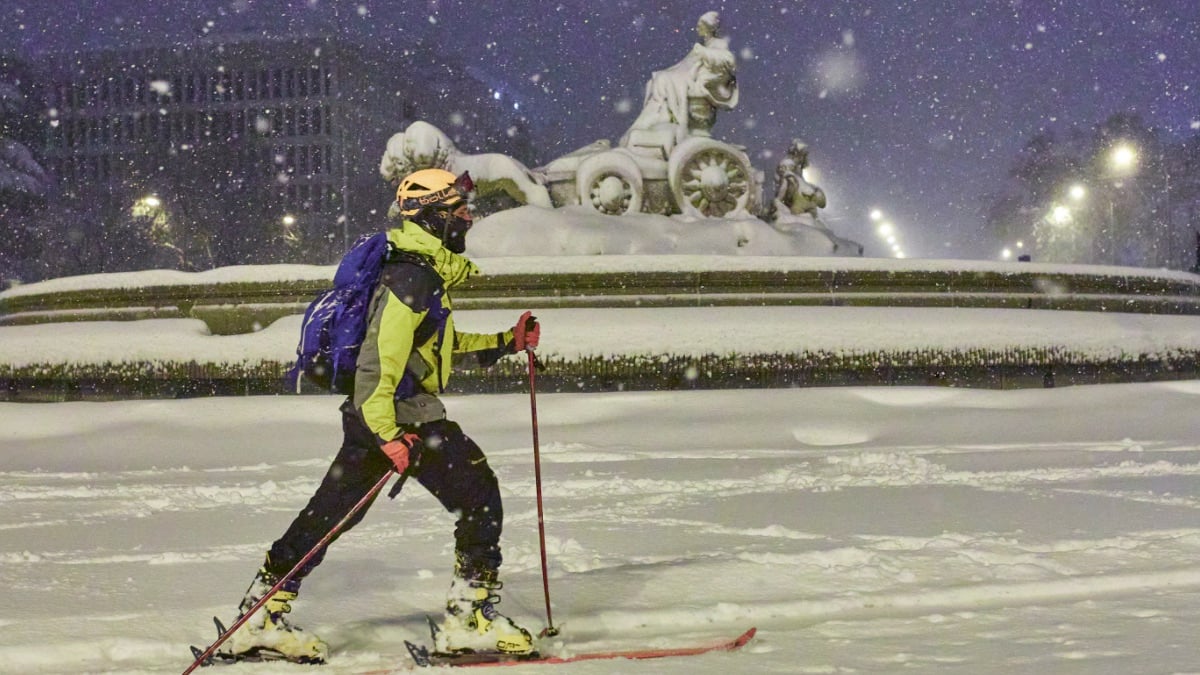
(667, 162)
(684, 98)
(796, 199)
(795, 208)
(424, 146)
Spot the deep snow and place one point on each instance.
(861, 529)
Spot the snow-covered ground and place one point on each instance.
(869, 530)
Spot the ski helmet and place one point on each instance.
(436, 188)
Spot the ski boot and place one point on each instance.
(267, 636)
(473, 624)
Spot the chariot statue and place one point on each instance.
(668, 162)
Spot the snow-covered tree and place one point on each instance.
(1118, 194)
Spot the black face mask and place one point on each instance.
(448, 227)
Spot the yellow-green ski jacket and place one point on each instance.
(413, 286)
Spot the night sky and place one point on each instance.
(916, 107)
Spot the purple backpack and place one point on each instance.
(335, 324)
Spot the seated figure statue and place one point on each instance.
(682, 100)
(796, 200)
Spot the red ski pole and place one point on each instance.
(203, 657)
(537, 479)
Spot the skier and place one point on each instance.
(395, 421)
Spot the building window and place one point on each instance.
(314, 117)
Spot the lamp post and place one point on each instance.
(1122, 160)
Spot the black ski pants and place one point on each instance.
(449, 464)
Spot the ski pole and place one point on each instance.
(202, 657)
(537, 479)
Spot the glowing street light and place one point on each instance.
(289, 220)
(1060, 215)
(887, 231)
(149, 206)
(1077, 192)
(1123, 157)
(1006, 253)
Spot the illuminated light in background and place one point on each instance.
(1123, 157)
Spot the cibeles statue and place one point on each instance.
(797, 201)
(683, 100)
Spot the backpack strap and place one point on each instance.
(415, 274)
(423, 292)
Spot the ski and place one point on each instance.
(212, 657)
(422, 657)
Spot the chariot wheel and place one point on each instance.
(710, 179)
(610, 183)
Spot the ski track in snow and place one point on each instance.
(853, 549)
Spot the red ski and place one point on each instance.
(424, 658)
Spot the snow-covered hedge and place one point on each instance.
(1011, 368)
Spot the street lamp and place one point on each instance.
(886, 231)
(1123, 157)
(1060, 215)
(1122, 160)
